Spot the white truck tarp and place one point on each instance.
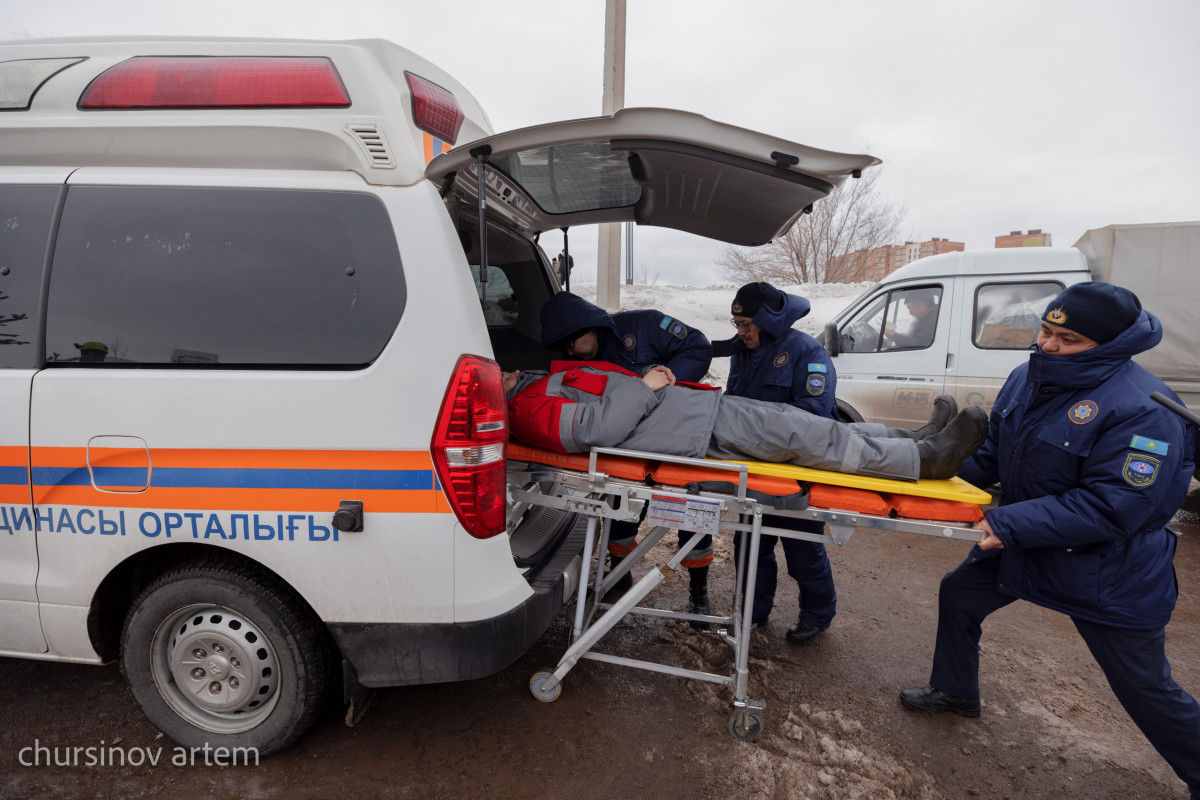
(1159, 262)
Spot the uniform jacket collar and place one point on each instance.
(1093, 367)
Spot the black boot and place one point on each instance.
(698, 595)
(945, 407)
(942, 455)
(623, 584)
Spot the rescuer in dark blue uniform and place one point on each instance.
(1092, 470)
(777, 363)
(636, 340)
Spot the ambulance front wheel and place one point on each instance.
(225, 655)
(537, 685)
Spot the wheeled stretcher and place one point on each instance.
(707, 496)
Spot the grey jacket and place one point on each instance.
(588, 406)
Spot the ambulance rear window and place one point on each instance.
(222, 277)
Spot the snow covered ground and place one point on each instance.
(707, 308)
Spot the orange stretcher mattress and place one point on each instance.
(952, 500)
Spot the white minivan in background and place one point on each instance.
(254, 433)
(984, 311)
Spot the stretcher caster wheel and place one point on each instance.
(537, 685)
(745, 726)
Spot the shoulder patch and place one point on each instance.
(629, 341)
(817, 368)
(1145, 443)
(1139, 471)
(815, 384)
(1084, 412)
(674, 327)
(780, 359)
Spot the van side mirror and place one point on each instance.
(831, 338)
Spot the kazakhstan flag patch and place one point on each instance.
(1148, 445)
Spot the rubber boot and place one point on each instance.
(945, 408)
(698, 595)
(623, 585)
(942, 455)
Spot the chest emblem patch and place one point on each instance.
(780, 359)
(1140, 470)
(629, 340)
(1084, 412)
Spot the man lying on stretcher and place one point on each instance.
(597, 404)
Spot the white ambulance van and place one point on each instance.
(253, 441)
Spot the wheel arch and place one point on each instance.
(847, 412)
(115, 594)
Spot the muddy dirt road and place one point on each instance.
(834, 728)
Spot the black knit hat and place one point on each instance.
(753, 296)
(1099, 311)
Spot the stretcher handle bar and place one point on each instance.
(742, 470)
(1181, 410)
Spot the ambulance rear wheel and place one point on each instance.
(224, 655)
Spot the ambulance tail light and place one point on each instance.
(435, 110)
(469, 446)
(148, 82)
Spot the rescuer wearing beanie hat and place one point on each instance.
(753, 296)
(775, 362)
(1099, 311)
(1091, 469)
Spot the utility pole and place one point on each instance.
(608, 257)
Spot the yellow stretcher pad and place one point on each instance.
(952, 500)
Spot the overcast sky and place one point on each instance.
(989, 117)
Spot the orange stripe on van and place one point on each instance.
(221, 459)
(313, 481)
(320, 501)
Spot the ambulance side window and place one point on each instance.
(26, 213)
(201, 277)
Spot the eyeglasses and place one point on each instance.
(744, 327)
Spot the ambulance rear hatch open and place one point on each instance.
(652, 166)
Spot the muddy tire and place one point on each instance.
(224, 655)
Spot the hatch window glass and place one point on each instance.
(195, 277)
(581, 176)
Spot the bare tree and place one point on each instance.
(853, 217)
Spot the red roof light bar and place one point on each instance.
(435, 110)
(152, 82)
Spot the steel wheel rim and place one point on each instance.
(215, 668)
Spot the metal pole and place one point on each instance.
(629, 254)
(608, 255)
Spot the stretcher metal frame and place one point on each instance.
(589, 494)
